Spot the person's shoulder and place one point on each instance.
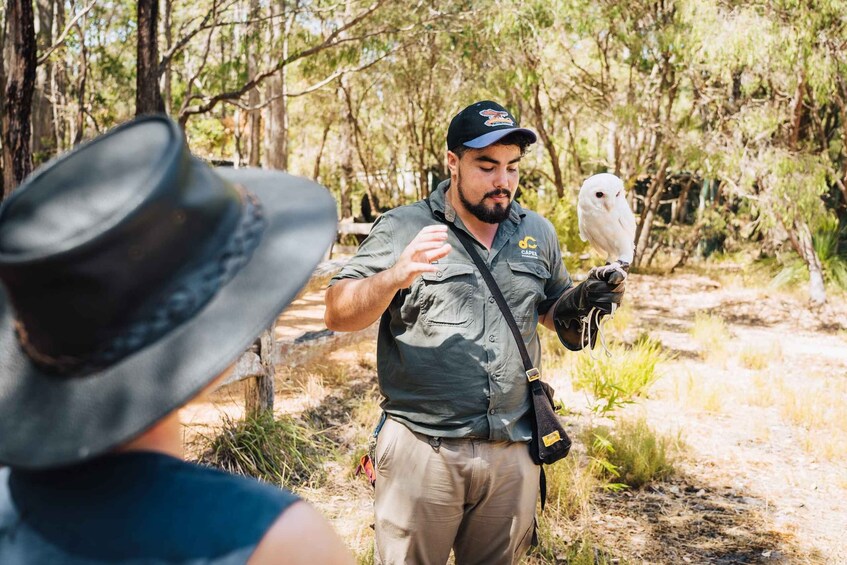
(419, 209)
(304, 537)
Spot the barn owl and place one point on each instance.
(605, 219)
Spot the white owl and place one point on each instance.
(605, 219)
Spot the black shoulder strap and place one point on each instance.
(532, 373)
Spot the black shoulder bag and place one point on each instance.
(549, 440)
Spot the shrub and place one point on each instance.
(622, 378)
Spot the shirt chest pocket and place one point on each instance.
(527, 288)
(447, 295)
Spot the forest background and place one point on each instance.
(726, 120)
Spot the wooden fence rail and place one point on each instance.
(258, 363)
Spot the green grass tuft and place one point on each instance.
(631, 454)
(278, 451)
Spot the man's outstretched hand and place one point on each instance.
(430, 244)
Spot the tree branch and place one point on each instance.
(64, 35)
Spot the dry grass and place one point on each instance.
(757, 358)
(698, 392)
(712, 336)
(818, 408)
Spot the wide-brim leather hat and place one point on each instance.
(132, 275)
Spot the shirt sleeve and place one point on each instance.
(374, 255)
(560, 279)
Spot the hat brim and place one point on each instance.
(487, 139)
(48, 421)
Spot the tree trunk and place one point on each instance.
(59, 87)
(651, 204)
(167, 82)
(346, 155)
(43, 138)
(148, 98)
(549, 145)
(276, 126)
(254, 115)
(19, 66)
(79, 124)
(801, 239)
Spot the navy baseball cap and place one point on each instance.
(481, 124)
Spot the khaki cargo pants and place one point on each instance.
(475, 496)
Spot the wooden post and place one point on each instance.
(259, 392)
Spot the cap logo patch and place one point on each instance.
(496, 118)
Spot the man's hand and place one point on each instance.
(354, 304)
(594, 292)
(429, 245)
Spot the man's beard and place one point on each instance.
(483, 213)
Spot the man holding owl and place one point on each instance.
(453, 468)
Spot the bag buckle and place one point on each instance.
(533, 374)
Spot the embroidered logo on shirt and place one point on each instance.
(528, 246)
(527, 243)
(496, 118)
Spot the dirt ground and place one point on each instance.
(762, 477)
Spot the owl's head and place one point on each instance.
(600, 191)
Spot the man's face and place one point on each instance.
(486, 180)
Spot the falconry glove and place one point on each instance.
(603, 288)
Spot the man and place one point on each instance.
(133, 275)
(453, 467)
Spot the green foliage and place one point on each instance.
(279, 451)
(561, 212)
(630, 454)
(828, 242)
(622, 378)
(829, 245)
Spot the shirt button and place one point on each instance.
(438, 274)
(491, 299)
(492, 411)
(491, 338)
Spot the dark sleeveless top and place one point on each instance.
(134, 508)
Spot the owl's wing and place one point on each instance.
(625, 226)
(580, 216)
(626, 217)
(601, 232)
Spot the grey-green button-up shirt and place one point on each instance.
(447, 362)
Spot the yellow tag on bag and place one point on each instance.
(550, 439)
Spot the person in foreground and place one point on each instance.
(133, 276)
(453, 470)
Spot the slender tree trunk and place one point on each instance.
(167, 79)
(276, 127)
(651, 204)
(346, 155)
(148, 98)
(549, 145)
(317, 170)
(43, 139)
(19, 66)
(801, 239)
(254, 116)
(79, 125)
(59, 87)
